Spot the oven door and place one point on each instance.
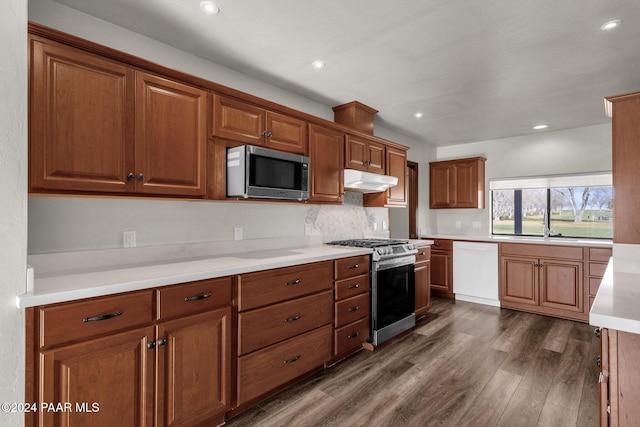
(392, 297)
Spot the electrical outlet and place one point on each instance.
(237, 233)
(308, 230)
(128, 239)
(458, 224)
(375, 226)
(384, 226)
(476, 224)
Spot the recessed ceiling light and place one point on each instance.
(610, 25)
(540, 127)
(317, 64)
(209, 8)
(417, 115)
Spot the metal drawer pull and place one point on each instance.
(161, 342)
(354, 266)
(356, 308)
(295, 359)
(353, 335)
(197, 297)
(104, 317)
(293, 282)
(292, 319)
(421, 253)
(151, 345)
(356, 286)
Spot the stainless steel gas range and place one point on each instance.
(392, 289)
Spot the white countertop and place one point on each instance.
(564, 241)
(617, 303)
(70, 276)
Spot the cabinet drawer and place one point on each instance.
(351, 336)
(424, 253)
(353, 286)
(442, 244)
(600, 254)
(268, 325)
(266, 369)
(273, 286)
(597, 269)
(352, 309)
(542, 251)
(84, 319)
(193, 297)
(349, 267)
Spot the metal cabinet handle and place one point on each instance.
(351, 267)
(436, 244)
(292, 319)
(598, 361)
(355, 286)
(197, 297)
(295, 359)
(151, 345)
(352, 309)
(596, 332)
(131, 175)
(162, 342)
(267, 133)
(140, 177)
(103, 317)
(353, 335)
(421, 253)
(293, 282)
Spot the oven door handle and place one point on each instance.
(395, 262)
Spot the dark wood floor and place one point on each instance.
(463, 365)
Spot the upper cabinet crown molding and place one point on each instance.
(457, 183)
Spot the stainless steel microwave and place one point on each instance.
(264, 173)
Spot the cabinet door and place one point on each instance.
(561, 285)
(423, 292)
(194, 369)
(466, 184)
(440, 186)
(397, 166)
(286, 133)
(326, 148)
(356, 153)
(170, 137)
(376, 158)
(81, 126)
(238, 121)
(441, 271)
(519, 280)
(116, 373)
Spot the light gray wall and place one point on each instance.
(586, 149)
(13, 209)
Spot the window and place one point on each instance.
(578, 206)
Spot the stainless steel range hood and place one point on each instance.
(367, 182)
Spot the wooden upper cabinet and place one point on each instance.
(171, 137)
(326, 151)
(396, 161)
(626, 174)
(239, 121)
(365, 155)
(457, 183)
(98, 125)
(81, 127)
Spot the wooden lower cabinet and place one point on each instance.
(442, 268)
(193, 375)
(352, 305)
(129, 362)
(619, 392)
(422, 273)
(106, 381)
(543, 279)
(284, 328)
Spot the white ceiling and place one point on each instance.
(476, 69)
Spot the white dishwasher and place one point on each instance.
(475, 272)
